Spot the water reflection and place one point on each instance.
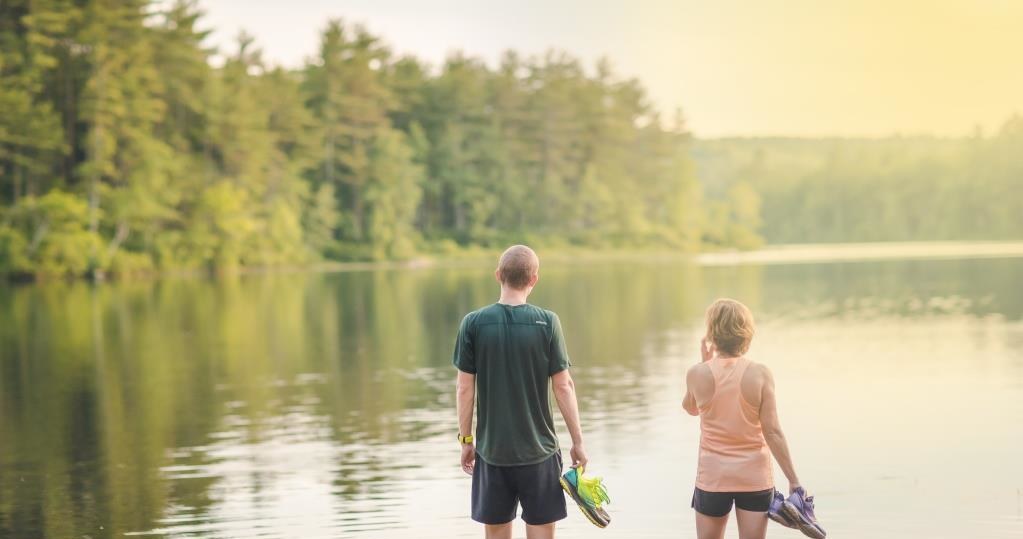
(321, 405)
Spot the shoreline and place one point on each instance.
(800, 253)
(812, 253)
(808, 253)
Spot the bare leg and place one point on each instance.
(752, 524)
(710, 527)
(543, 531)
(499, 531)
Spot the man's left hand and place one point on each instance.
(578, 455)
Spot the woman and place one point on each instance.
(739, 431)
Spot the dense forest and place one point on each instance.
(890, 189)
(128, 145)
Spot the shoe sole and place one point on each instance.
(808, 528)
(781, 519)
(579, 502)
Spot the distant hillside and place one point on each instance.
(892, 189)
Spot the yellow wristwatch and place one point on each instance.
(465, 439)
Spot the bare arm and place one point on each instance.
(465, 389)
(772, 429)
(564, 393)
(689, 401)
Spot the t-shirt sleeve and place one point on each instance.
(558, 351)
(464, 356)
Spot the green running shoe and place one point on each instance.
(589, 493)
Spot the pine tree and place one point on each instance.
(392, 195)
(347, 92)
(128, 169)
(30, 136)
(465, 150)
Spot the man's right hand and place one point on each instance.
(468, 458)
(578, 455)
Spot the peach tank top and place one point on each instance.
(734, 456)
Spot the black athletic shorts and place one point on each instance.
(718, 504)
(498, 490)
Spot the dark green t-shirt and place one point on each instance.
(513, 351)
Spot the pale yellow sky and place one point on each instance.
(735, 67)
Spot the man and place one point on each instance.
(508, 356)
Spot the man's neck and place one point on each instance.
(510, 296)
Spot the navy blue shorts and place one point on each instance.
(719, 504)
(498, 490)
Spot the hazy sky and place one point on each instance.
(735, 67)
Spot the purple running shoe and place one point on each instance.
(775, 513)
(799, 509)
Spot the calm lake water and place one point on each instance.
(321, 405)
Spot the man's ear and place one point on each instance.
(533, 280)
(497, 276)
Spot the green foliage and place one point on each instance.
(392, 195)
(29, 124)
(222, 226)
(131, 263)
(14, 252)
(49, 236)
(321, 220)
(896, 189)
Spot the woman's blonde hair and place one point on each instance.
(730, 326)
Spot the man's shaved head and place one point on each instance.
(517, 266)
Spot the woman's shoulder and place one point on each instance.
(753, 380)
(700, 374)
(757, 369)
(700, 369)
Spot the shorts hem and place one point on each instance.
(725, 514)
(743, 490)
(492, 522)
(531, 522)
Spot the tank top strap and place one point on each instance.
(718, 367)
(740, 368)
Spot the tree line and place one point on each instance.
(887, 189)
(127, 145)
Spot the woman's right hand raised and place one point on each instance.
(706, 349)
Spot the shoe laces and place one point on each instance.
(777, 500)
(592, 490)
(808, 503)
